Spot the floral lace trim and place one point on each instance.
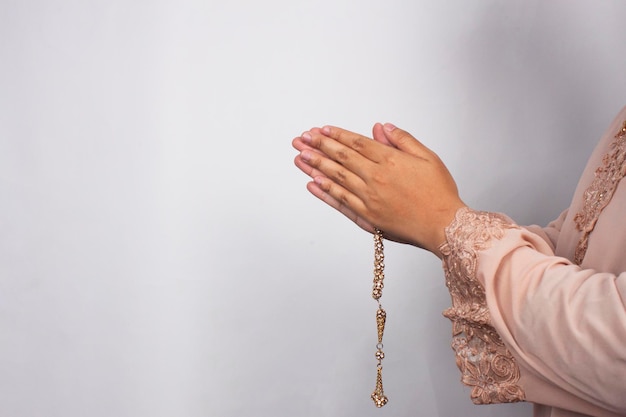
(485, 363)
(598, 195)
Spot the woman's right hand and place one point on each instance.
(393, 183)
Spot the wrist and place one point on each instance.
(438, 236)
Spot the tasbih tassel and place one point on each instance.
(381, 316)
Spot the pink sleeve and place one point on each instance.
(528, 325)
(551, 232)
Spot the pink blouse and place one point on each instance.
(539, 314)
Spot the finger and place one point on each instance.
(351, 160)
(338, 173)
(303, 166)
(300, 145)
(306, 168)
(379, 135)
(358, 143)
(405, 142)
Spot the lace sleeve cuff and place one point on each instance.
(485, 363)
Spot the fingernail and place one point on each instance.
(306, 137)
(326, 130)
(305, 155)
(389, 127)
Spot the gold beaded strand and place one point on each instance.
(378, 396)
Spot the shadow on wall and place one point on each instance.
(532, 106)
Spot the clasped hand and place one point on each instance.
(393, 182)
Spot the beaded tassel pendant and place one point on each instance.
(378, 396)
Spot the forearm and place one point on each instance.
(552, 317)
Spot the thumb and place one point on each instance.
(378, 133)
(404, 141)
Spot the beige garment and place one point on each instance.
(528, 323)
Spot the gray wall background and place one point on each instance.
(159, 255)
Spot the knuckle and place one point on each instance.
(340, 134)
(379, 178)
(404, 138)
(342, 156)
(391, 159)
(340, 177)
(343, 200)
(357, 144)
(326, 186)
(373, 201)
(313, 160)
(317, 140)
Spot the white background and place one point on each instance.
(159, 254)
